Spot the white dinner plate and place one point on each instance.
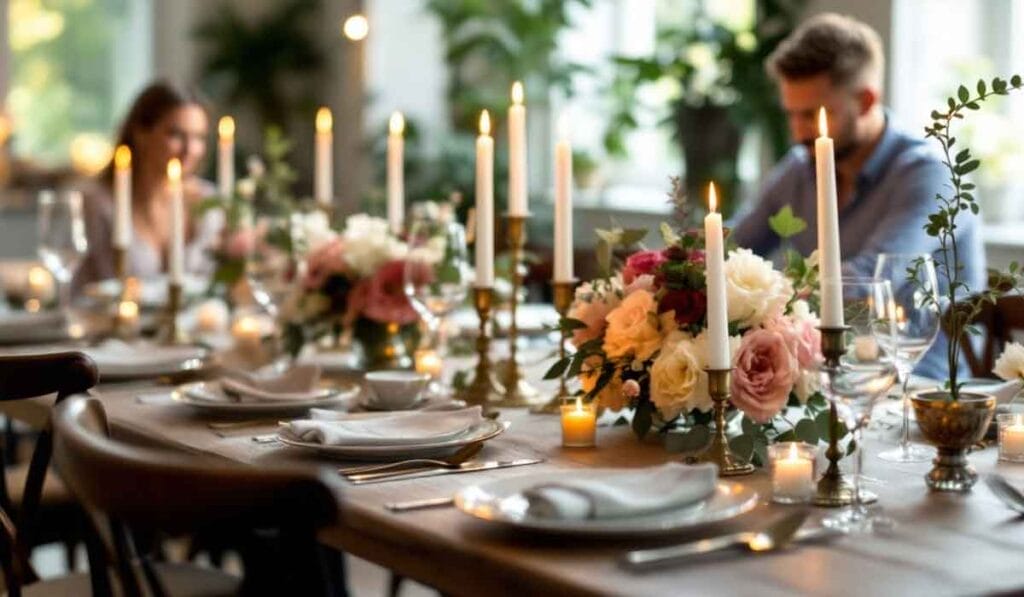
(482, 431)
(207, 397)
(179, 359)
(501, 501)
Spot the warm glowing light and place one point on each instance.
(38, 277)
(5, 128)
(712, 197)
(122, 157)
(33, 305)
(356, 27)
(822, 123)
(517, 92)
(226, 128)
(563, 126)
(760, 542)
(90, 153)
(247, 326)
(793, 454)
(128, 310)
(397, 123)
(485, 123)
(324, 120)
(174, 170)
(579, 404)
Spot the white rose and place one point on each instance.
(801, 312)
(678, 380)
(1010, 364)
(315, 228)
(369, 244)
(754, 289)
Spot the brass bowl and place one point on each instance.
(953, 426)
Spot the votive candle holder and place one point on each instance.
(579, 424)
(791, 465)
(1011, 436)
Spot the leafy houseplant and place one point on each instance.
(954, 419)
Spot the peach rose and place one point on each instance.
(764, 374)
(633, 328)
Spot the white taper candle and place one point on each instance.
(485, 204)
(718, 308)
(828, 228)
(563, 266)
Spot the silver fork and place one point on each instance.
(463, 454)
(1008, 494)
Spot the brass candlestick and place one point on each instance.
(833, 489)
(118, 327)
(718, 451)
(484, 390)
(564, 293)
(172, 333)
(517, 391)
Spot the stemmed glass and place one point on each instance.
(437, 273)
(271, 269)
(62, 241)
(917, 326)
(863, 374)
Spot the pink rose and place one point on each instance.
(385, 299)
(326, 261)
(640, 263)
(802, 337)
(591, 308)
(764, 374)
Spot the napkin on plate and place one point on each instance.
(617, 493)
(297, 383)
(119, 355)
(401, 428)
(25, 325)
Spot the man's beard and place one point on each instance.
(844, 145)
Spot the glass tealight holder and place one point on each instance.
(1011, 436)
(791, 465)
(579, 424)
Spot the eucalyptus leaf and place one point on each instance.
(742, 446)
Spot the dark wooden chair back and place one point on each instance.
(23, 377)
(997, 324)
(150, 491)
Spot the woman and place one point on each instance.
(164, 122)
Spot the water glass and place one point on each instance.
(62, 240)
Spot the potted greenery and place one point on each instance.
(951, 418)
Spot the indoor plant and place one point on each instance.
(951, 418)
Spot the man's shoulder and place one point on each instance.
(912, 151)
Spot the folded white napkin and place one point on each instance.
(616, 493)
(294, 384)
(383, 429)
(25, 325)
(120, 355)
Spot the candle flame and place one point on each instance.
(563, 126)
(128, 309)
(485, 123)
(822, 122)
(793, 454)
(517, 93)
(356, 27)
(174, 170)
(579, 404)
(324, 120)
(712, 197)
(226, 128)
(38, 276)
(397, 123)
(122, 157)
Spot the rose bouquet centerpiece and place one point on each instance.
(352, 283)
(641, 344)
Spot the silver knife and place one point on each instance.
(468, 467)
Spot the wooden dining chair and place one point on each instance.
(35, 507)
(124, 487)
(998, 324)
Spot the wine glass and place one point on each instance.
(917, 326)
(272, 263)
(62, 241)
(863, 374)
(437, 273)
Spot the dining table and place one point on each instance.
(942, 544)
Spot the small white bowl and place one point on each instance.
(396, 389)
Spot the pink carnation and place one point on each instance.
(641, 263)
(382, 298)
(326, 261)
(764, 374)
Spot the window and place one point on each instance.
(74, 66)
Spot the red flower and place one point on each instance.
(640, 263)
(689, 305)
(382, 297)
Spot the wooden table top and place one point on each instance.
(943, 544)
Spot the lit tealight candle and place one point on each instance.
(579, 425)
(792, 467)
(865, 348)
(1011, 437)
(40, 284)
(212, 317)
(248, 333)
(428, 362)
(127, 317)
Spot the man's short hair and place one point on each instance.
(847, 50)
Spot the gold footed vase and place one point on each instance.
(518, 392)
(384, 345)
(171, 333)
(563, 292)
(952, 426)
(718, 451)
(484, 390)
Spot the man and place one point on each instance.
(886, 178)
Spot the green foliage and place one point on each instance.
(963, 308)
(609, 241)
(786, 224)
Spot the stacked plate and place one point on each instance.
(210, 398)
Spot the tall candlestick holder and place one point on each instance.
(484, 390)
(517, 391)
(563, 294)
(118, 325)
(171, 332)
(718, 451)
(833, 490)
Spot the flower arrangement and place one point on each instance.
(641, 343)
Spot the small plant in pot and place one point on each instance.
(951, 418)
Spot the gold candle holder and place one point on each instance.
(118, 326)
(718, 451)
(484, 390)
(517, 391)
(833, 490)
(172, 333)
(564, 293)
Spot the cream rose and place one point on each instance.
(754, 289)
(678, 380)
(633, 328)
(369, 244)
(1010, 364)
